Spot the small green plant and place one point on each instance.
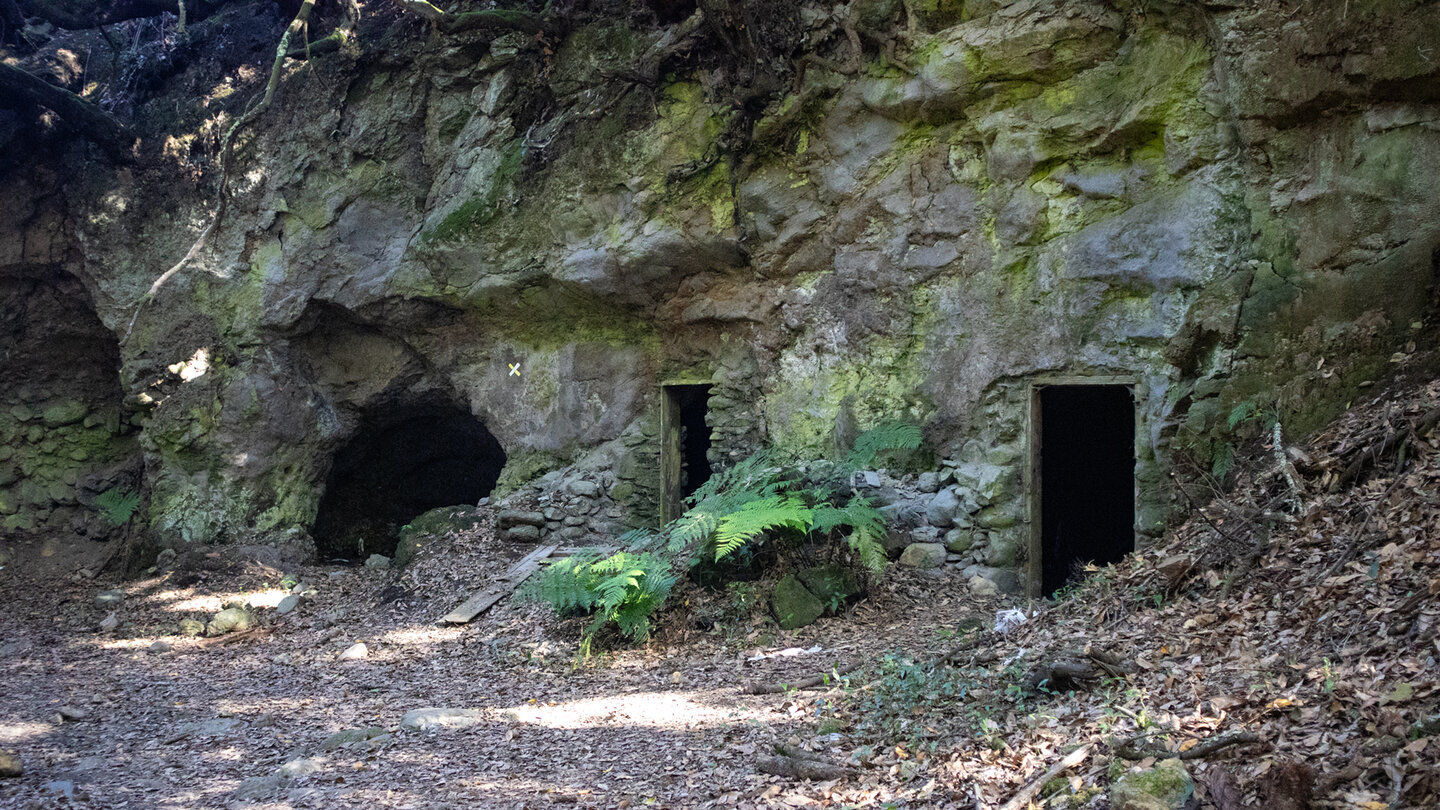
(118, 506)
(623, 590)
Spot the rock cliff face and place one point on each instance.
(1218, 203)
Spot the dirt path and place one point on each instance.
(211, 726)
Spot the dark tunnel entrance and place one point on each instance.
(686, 460)
(403, 461)
(1084, 478)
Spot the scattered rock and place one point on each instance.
(1166, 786)
(288, 604)
(923, 555)
(10, 765)
(435, 719)
(165, 558)
(191, 627)
(109, 600)
(377, 562)
(258, 788)
(301, 766)
(109, 623)
(350, 736)
(161, 647)
(229, 620)
(794, 605)
(833, 584)
(981, 586)
(928, 482)
(235, 604)
(72, 714)
(355, 652)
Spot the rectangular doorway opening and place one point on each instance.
(1082, 480)
(684, 455)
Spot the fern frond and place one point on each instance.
(744, 524)
(887, 436)
(118, 506)
(868, 547)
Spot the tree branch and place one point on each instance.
(77, 113)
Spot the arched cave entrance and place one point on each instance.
(403, 461)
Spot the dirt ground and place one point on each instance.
(667, 725)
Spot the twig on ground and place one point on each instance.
(1022, 798)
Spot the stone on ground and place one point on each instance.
(833, 584)
(355, 652)
(981, 586)
(794, 605)
(1166, 786)
(434, 719)
(191, 627)
(229, 620)
(258, 788)
(923, 555)
(377, 562)
(109, 600)
(350, 736)
(288, 604)
(10, 765)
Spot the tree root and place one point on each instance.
(227, 148)
(794, 763)
(776, 687)
(1129, 751)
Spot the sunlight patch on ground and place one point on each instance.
(672, 710)
(181, 601)
(17, 732)
(418, 635)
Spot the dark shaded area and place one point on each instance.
(405, 460)
(1087, 478)
(692, 403)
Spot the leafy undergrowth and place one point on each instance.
(1307, 620)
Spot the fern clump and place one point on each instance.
(623, 589)
(759, 500)
(117, 506)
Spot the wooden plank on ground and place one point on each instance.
(486, 597)
(571, 551)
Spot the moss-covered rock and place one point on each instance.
(794, 605)
(1166, 786)
(833, 584)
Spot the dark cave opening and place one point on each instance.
(686, 450)
(694, 438)
(403, 461)
(1086, 478)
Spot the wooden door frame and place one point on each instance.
(1034, 415)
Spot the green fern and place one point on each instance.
(866, 529)
(766, 514)
(623, 589)
(888, 436)
(117, 506)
